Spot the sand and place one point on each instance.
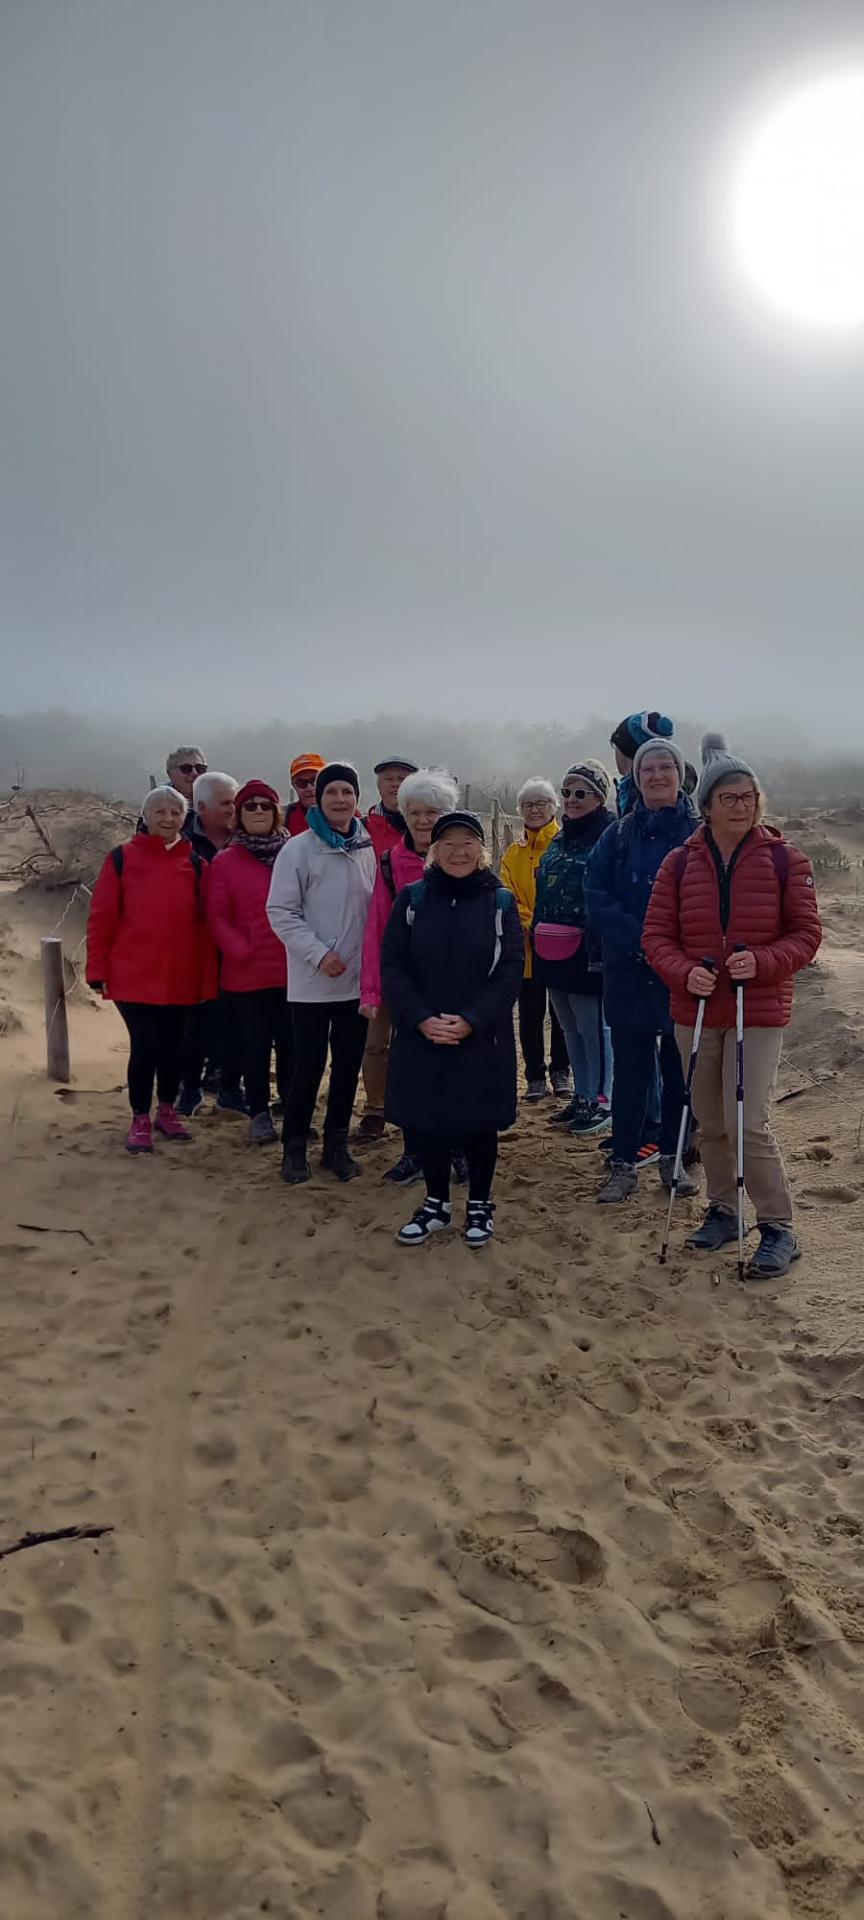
(523, 1585)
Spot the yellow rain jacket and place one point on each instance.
(519, 872)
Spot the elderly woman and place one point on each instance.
(422, 798)
(537, 802)
(320, 892)
(149, 951)
(254, 974)
(567, 951)
(618, 881)
(740, 895)
(451, 964)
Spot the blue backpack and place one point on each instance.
(503, 899)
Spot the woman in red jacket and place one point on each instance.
(254, 969)
(148, 949)
(739, 895)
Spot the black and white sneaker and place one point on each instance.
(479, 1223)
(432, 1217)
(405, 1172)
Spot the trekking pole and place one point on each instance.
(739, 1111)
(686, 1112)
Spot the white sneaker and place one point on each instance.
(479, 1223)
(432, 1217)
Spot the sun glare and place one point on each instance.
(797, 205)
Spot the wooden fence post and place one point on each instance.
(152, 779)
(496, 834)
(56, 1025)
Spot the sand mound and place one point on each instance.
(515, 1586)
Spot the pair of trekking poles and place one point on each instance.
(687, 1113)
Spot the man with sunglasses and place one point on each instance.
(183, 767)
(304, 773)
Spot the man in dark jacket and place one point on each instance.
(618, 882)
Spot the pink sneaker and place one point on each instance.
(139, 1139)
(169, 1123)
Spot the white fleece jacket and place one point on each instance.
(318, 902)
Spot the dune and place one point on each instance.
(439, 1586)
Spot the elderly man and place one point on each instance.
(384, 823)
(305, 768)
(213, 799)
(211, 1045)
(183, 767)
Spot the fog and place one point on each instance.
(389, 357)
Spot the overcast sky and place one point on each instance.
(363, 354)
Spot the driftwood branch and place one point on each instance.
(30, 1226)
(32, 815)
(58, 1533)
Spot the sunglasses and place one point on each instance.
(257, 806)
(578, 793)
(305, 780)
(190, 767)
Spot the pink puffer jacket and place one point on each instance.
(406, 867)
(252, 956)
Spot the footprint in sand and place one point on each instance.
(377, 1345)
(845, 1196)
(749, 1602)
(615, 1396)
(575, 1558)
(483, 1643)
(327, 1811)
(711, 1700)
(11, 1624)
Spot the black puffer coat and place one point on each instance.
(441, 965)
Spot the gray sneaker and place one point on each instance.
(262, 1132)
(621, 1183)
(687, 1188)
(535, 1090)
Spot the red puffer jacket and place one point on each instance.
(772, 910)
(382, 832)
(252, 956)
(295, 819)
(147, 937)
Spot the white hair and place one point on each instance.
(208, 785)
(537, 789)
(429, 787)
(164, 792)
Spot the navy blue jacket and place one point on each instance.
(620, 875)
(442, 964)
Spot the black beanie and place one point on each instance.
(336, 770)
(460, 817)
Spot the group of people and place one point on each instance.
(233, 934)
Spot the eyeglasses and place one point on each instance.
(190, 767)
(531, 805)
(305, 780)
(257, 806)
(730, 800)
(578, 793)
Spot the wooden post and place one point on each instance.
(56, 1025)
(496, 834)
(153, 782)
(466, 801)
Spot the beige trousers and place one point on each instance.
(375, 1061)
(714, 1105)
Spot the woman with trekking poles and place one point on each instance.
(618, 881)
(148, 950)
(739, 897)
(451, 966)
(423, 797)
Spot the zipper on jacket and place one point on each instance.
(724, 876)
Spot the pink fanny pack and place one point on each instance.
(556, 943)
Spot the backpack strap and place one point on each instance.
(416, 894)
(503, 899)
(117, 861)
(387, 871)
(197, 868)
(780, 861)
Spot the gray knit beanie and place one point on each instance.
(670, 747)
(718, 764)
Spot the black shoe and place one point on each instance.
(433, 1217)
(405, 1172)
(565, 1114)
(460, 1169)
(372, 1128)
(230, 1100)
(335, 1157)
(295, 1166)
(479, 1223)
(589, 1118)
(190, 1101)
(719, 1228)
(777, 1249)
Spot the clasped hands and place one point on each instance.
(445, 1029)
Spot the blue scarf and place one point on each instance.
(327, 834)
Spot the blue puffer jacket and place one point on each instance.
(618, 882)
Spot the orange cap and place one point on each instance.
(307, 763)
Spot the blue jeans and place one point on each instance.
(589, 1042)
(636, 1060)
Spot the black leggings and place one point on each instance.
(317, 1024)
(265, 1026)
(156, 1036)
(436, 1155)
